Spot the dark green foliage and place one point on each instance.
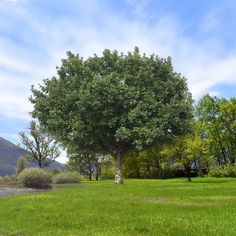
(67, 177)
(148, 164)
(114, 104)
(35, 178)
(86, 163)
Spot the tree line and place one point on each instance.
(136, 112)
(211, 143)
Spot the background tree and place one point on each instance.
(114, 104)
(149, 163)
(41, 147)
(21, 164)
(216, 123)
(134, 164)
(87, 163)
(227, 117)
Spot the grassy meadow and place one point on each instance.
(205, 206)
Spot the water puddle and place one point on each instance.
(7, 191)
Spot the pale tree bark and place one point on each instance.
(118, 159)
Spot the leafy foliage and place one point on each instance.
(35, 178)
(54, 171)
(114, 104)
(107, 168)
(216, 120)
(67, 177)
(87, 163)
(21, 164)
(226, 171)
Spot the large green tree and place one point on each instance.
(114, 103)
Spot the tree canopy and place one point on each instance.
(114, 103)
(216, 119)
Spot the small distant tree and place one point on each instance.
(21, 164)
(41, 147)
(87, 163)
(188, 154)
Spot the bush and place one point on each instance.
(54, 171)
(167, 172)
(216, 171)
(1, 179)
(35, 178)
(21, 164)
(108, 172)
(227, 171)
(67, 177)
(7, 178)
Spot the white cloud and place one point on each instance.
(63, 157)
(138, 7)
(201, 62)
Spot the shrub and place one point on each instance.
(216, 171)
(7, 178)
(1, 179)
(54, 171)
(227, 171)
(21, 164)
(108, 172)
(167, 172)
(35, 178)
(67, 177)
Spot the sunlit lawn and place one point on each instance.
(139, 207)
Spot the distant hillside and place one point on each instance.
(9, 153)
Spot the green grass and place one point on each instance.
(139, 207)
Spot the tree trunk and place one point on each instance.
(97, 175)
(40, 164)
(118, 158)
(98, 170)
(188, 173)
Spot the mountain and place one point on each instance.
(9, 153)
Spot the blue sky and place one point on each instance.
(35, 35)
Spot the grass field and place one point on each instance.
(205, 206)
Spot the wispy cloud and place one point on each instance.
(30, 54)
